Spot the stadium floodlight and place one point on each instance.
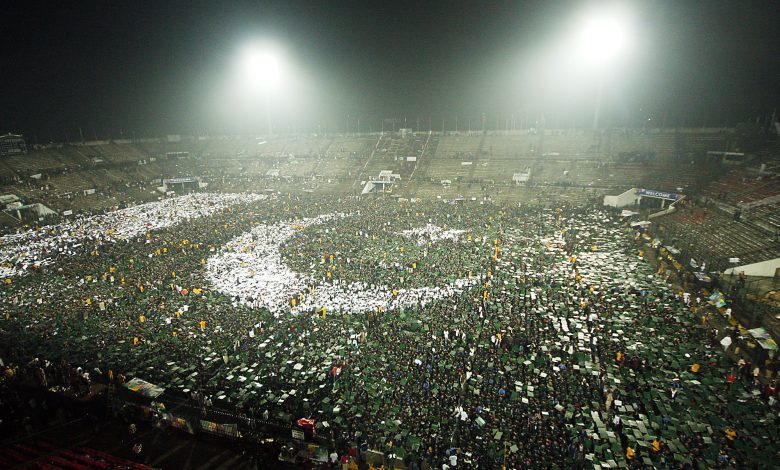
(604, 36)
(260, 66)
(259, 71)
(601, 37)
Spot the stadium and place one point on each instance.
(497, 288)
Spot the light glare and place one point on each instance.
(260, 67)
(603, 36)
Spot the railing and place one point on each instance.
(362, 170)
(422, 153)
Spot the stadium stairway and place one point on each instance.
(477, 156)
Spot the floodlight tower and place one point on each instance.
(603, 38)
(260, 70)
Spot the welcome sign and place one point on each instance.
(659, 194)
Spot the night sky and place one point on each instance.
(148, 68)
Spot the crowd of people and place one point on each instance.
(448, 336)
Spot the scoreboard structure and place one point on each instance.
(12, 144)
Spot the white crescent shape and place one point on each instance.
(250, 267)
(41, 246)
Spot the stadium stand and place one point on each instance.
(571, 166)
(475, 163)
(43, 455)
(714, 237)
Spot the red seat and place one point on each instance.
(85, 459)
(64, 463)
(105, 456)
(33, 453)
(46, 466)
(17, 456)
(45, 445)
